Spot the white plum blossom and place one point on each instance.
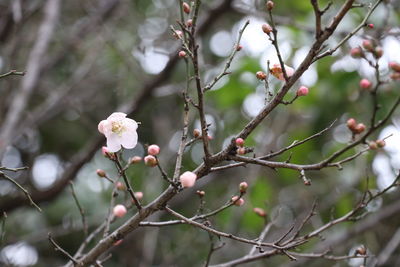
(119, 131)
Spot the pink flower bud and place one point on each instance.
(106, 153)
(237, 201)
(351, 124)
(302, 91)
(182, 54)
(381, 143)
(365, 84)
(186, 7)
(373, 145)
(356, 52)
(150, 161)
(153, 150)
(138, 195)
(136, 159)
(359, 128)
(260, 212)
(261, 75)
(367, 44)
(241, 151)
(270, 5)
(239, 47)
(209, 137)
(119, 211)
(189, 23)
(196, 133)
(378, 53)
(243, 187)
(178, 34)
(101, 173)
(394, 66)
(266, 28)
(188, 179)
(371, 26)
(239, 142)
(120, 186)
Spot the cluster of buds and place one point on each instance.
(241, 150)
(237, 201)
(395, 75)
(150, 159)
(368, 46)
(376, 144)
(354, 127)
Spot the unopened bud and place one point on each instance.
(239, 47)
(365, 84)
(261, 75)
(381, 143)
(196, 133)
(260, 212)
(359, 128)
(136, 159)
(361, 251)
(138, 195)
(153, 150)
(373, 145)
(243, 187)
(101, 173)
(186, 7)
(182, 54)
(239, 142)
(189, 23)
(371, 25)
(378, 53)
(150, 161)
(178, 34)
(119, 211)
(241, 151)
(351, 124)
(367, 44)
(237, 201)
(106, 153)
(270, 5)
(356, 52)
(266, 28)
(302, 91)
(121, 186)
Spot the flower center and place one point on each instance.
(117, 127)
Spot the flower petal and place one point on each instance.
(113, 143)
(117, 116)
(100, 127)
(129, 139)
(131, 125)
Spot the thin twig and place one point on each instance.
(28, 196)
(58, 248)
(81, 210)
(12, 72)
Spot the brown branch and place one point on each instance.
(81, 210)
(58, 248)
(12, 72)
